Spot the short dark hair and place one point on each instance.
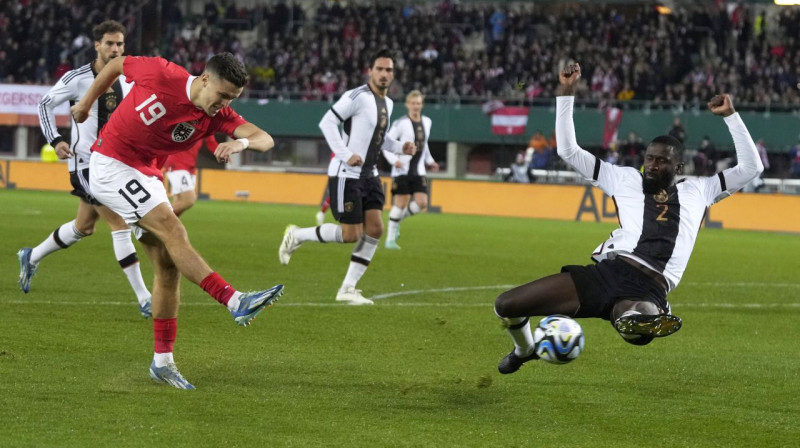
(382, 53)
(229, 68)
(107, 27)
(668, 140)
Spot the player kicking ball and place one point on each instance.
(644, 259)
(169, 111)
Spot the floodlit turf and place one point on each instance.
(416, 369)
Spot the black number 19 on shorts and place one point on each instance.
(134, 188)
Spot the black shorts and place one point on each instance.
(409, 185)
(601, 285)
(350, 198)
(80, 186)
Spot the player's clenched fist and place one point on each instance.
(721, 105)
(79, 113)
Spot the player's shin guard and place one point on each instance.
(62, 238)
(129, 262)
(519, 328)
(218, 288)
(360, 259)
(326, 233)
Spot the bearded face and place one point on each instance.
(660, 167)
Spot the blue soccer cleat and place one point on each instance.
(392, 244)
(252, 303)
(170, 376)
(147, 308)
(26, 269)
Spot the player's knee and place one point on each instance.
(502, 305)
(350, 235)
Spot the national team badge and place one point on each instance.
(348, 207)
(182, 132)
(661, 197)
(111, 102)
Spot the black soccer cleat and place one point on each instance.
(511, 362)
(653, 325)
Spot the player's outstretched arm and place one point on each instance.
(104, 79)
(247, 136)
(749, 164)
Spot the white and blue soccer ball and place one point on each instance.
(558, 339)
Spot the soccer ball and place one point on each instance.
(558, 339)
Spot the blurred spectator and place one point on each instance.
(518, 172)
(794, 159)
(677, 130)
(705, 161)
(632, 151)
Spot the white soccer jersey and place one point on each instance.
(365, 119)
(72, 87)
(660, 230)
(406, 130)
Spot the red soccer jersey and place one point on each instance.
(187, 160)
(157, 118)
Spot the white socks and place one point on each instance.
(359, 260)
(395, 216)
(162, 359)
(519, 329)
(326, 233)
(125, 252)
(412, 209)
(61, 238)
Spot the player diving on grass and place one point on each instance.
(166, 112)
(644, 259)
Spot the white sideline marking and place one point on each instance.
(488, 303)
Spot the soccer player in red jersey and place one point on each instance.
(166, 112)
(181, 169)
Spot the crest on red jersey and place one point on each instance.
(182, 132)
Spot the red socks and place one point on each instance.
(164, 331)
(217, 288)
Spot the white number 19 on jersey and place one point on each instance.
(156, 110)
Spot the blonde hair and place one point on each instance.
(414, 93)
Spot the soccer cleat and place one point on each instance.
(252, 303)
(655, 325)
(511, 362)
(392, 244)
(352, 296)
(288, 245)
(320, 218)
(147, 308)
(170, 376)
(26, 269)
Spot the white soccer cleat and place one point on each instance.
(352, 296)
(288, 245)
(320, 218)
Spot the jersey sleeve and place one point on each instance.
(344, 108)
(227, 120)
(59, 94)
(428, 157)
(144, 70)
(747, 168)
(601, 174)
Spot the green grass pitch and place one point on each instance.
(418, 369)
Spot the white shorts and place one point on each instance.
(181, 181)
(126, 191)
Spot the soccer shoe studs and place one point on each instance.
(655, 325)
(252, 303)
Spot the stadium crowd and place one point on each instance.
(448, 50)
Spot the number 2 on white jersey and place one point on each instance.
(156, 110)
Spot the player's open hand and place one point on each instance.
(721, 105)
(409, 148)
(63, 151)
(226, 149)
(355, 160)
(79, 113)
